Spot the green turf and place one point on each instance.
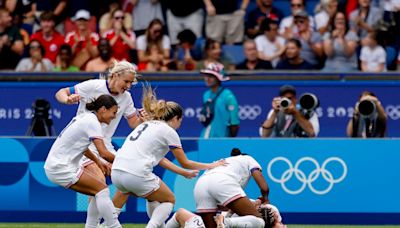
(58, 225)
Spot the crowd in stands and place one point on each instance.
(163, 35)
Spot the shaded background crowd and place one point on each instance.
(161, 35)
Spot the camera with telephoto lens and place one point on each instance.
(284, 103)
(367, 108)
(308, 101)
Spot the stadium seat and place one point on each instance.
(391, 56)
(234, 53)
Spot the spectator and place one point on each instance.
(36, 62)
(11, 44)
(184, 14)
(106, 20)
(364, 18)
(324, 18)
(252, 62)
(369, 118)
(340, 46)
(58, 7)
(213, 54)
(311, 41)
(290, 121)
(225, 121)
(144, 12)
(187, 51)
(122, 40)
(23, 13)
(82, 41)
(287, 26)
(104, 61)
(265, 9)
(225, 22)
(293, 60)
(270, 45)
(151, 43)
(65, 58)
(48, 36)
(373, 55)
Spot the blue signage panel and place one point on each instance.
(337, 104)
(354, 180)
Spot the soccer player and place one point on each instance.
(224, 185)
(270, 214)
(146, 147)
(62, 164)
(120, 79)
(185, 218)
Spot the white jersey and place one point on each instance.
(145, 147)
(90, 90)
(72, 142)
(239, 168)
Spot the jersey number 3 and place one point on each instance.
(139, 132)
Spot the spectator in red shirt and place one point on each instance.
(48, 37)
(82, 41)
(122, 41)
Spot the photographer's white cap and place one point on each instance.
(81, 14)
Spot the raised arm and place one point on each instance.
(65, 97)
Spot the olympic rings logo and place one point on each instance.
(393, 112)
(249, 112)
(312, 176)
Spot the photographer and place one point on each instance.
(369, 118)
(285, 120)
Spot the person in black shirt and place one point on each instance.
(293, 60)
(252, 62)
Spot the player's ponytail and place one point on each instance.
(104, 100)
(159, 109)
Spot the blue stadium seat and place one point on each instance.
(234, 53)
(391, 56)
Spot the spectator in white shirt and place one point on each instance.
(270, 45)
(287, 27)
(373, 55)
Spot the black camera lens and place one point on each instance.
(366, 108)
(308, 101)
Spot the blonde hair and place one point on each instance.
(159, 109)
(122, 67)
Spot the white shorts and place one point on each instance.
(64, 178)
(216, 189)
(130, 183)
(195, 222)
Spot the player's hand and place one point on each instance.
(143, 115)
(218, 163)
(190, 174)
(105, 168)
(73, 99)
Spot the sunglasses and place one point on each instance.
(119, 17)
(34, 47)
(296, 5)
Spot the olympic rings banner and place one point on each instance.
(337, 101)
(320, 181)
